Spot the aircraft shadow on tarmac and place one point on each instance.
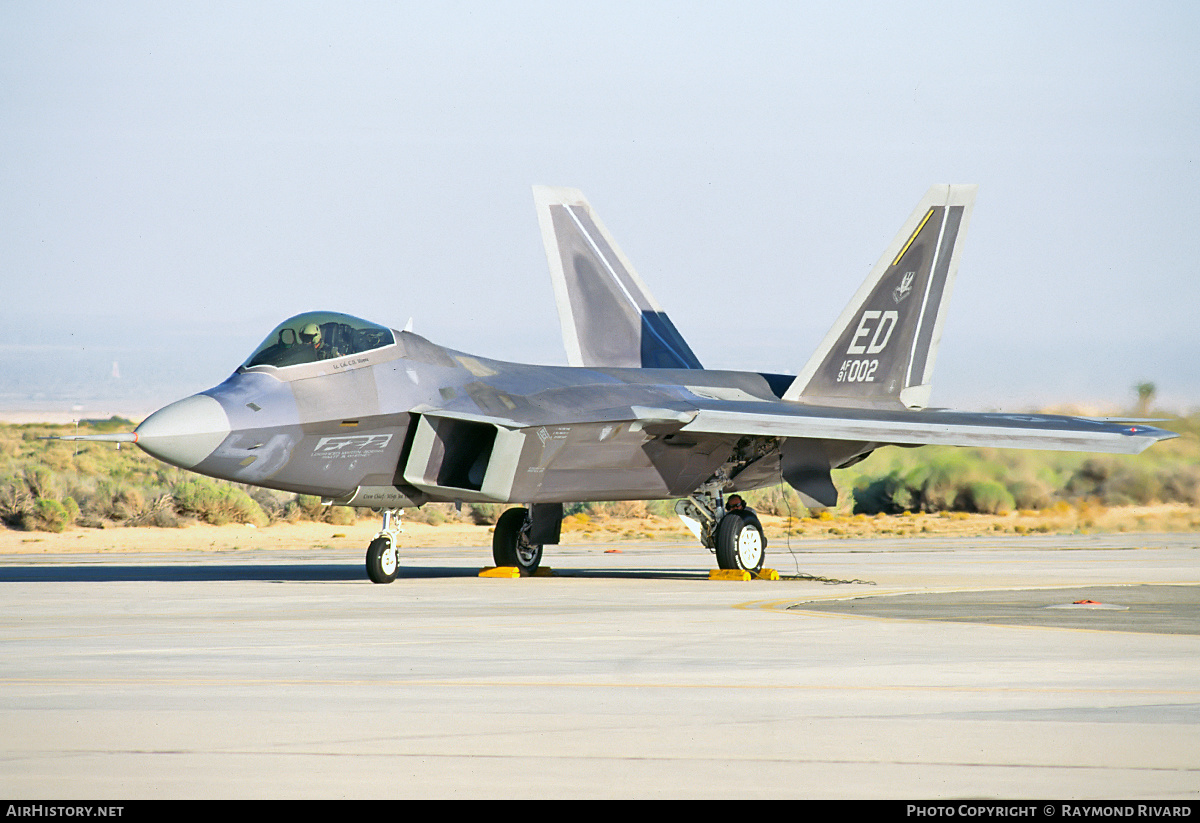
(166, 573)
(288, 573)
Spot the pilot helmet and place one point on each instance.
(310, 335)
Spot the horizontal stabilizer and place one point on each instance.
(608, 316)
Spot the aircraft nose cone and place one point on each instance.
(186, 432)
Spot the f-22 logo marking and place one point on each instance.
(354, 445)
(873, 333)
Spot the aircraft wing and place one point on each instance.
(928, 427)
(669, 447)
(696, 410)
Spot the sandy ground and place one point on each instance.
(323, 536)
(289, 536)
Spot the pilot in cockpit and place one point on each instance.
(310, 336)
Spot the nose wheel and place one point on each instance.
(382, 559)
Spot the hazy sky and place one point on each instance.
(175, 179)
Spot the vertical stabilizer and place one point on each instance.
(883, 346)
(608, 316)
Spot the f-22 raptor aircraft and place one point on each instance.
(364, 415)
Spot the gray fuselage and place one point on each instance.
(413, 422)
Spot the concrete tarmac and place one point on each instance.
(917, 668)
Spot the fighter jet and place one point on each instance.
(365, 415)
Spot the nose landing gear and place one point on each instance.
(382, 559)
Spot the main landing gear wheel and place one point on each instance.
(740, 543)
(381, 560)
(510, 542)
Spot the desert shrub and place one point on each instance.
(273, 503)
(161, 513)
(112, 424)
(304, 507)
(881, 495)
(1132, 483)
(628, 509)
(33, 500)
(16, 503)
(1030, 494)
(216, 503)
(435, 514)
(661, 508)
(309, 507)
(85, 465)
(431, 514)
(96, 484)
(1180, 484)
(778, 501)
(129, 503)
(985, 497)
(116, 501)
(1088, 480)
(72, 509)
(600, 510)
(30, 501)
(485, 514)
(341, 516)
(1117, 483)
(52, 516)
(572, 522)
(936, 485)
(57, 458)
(40, 482)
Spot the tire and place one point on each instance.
(381, 560)
(740, 543)
(511, 547)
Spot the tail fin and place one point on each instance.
(608, 316)
(883, 346)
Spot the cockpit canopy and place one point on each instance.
(318, 335)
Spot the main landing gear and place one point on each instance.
(735, 537)
(517, 540)
(740, 542)
(511, 544)
(381, 554)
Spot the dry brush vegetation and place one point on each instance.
(54, 485)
